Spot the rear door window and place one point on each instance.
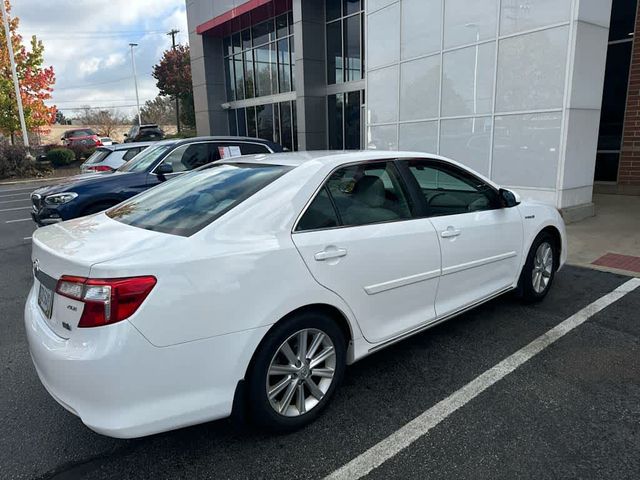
(130, 153)
(361, 194)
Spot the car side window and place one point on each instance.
(130, 153)
(449, 190)
(187, 157)
(362, 194)
(253, 148)
(320, 213)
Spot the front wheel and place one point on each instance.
(296, 371)
(539, 269)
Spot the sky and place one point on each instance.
(87, 43)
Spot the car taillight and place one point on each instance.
(98, 141)
(100, 168)
(106, 300)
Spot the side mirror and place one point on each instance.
(509, 198)
(163, 169)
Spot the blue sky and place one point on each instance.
(86, 41)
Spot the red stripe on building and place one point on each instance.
(230, 15)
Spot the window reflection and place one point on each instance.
(344, 40)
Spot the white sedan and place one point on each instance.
(250, 284)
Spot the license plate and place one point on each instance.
(45, 300)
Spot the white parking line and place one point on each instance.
(14, 195)
(18, 220)
(14, 201)
(27, 238)
(419, 426)
(13, 209)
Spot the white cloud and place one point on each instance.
(86, 41)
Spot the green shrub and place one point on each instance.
(14, 161)
(59, 157)
(81, 151)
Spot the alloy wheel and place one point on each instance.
(542, 267)
(301, 372)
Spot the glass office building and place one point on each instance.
(512, 88)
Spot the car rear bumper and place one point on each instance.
(121, 385)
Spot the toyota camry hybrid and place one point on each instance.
(248, 285)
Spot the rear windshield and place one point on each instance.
(186, 204)
(98, 156)
(146, 158)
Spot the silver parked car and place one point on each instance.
(110, 157)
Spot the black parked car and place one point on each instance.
(144, 133)
(86, 194)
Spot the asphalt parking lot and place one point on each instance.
(571, 411)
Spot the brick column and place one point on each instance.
(629, 168)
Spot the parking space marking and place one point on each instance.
(419, 426)
(13, 209)
(15, 195)
(27, 238)
(14, 201)
(18, 220)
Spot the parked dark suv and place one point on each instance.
(86, 194)
(144, 133)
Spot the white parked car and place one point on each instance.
(110, 158)
(251, 283)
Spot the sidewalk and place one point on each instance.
(614, 230)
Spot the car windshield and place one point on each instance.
(185, 205)
(98, 156)
(145, 159)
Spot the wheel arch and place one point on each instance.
(557, 237)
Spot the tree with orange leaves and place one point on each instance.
(35, 81)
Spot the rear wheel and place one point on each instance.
(539, 269)
(296, 371)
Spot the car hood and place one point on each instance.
(87, 179)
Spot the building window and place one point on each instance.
(345, 46)
(271, 121)
(259, 60)
(343, 113)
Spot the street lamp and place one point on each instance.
(135, 80)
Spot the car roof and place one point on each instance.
(336, 158)
(230, 139)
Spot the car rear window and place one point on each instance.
(98, 156)
(186, 204)
(80, 133)
(146, 158)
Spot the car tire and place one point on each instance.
(539, 269)
(300, 390)
(96, 208)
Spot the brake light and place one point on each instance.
(106, 300)
(100, 168)
(98, 141)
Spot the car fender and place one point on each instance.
(535, 218)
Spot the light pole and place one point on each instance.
(135, 80)
(12, 61)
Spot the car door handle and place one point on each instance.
(329, 254)
(450, 232)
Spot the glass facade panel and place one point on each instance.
(419, 88)
(265, 121)
(286, 129)
(419, 136)
(531, 70)
(334, 53)
(252, 130)
(335, 117)
(259, 60)
(233, 126)
(271, 121)
(421, 27)
(242, 122)
(526, 149)
(469, 22)
(344, 39)
(468, 140)
(467, 80)
(514, 18)
(352, 35)
(352, 121)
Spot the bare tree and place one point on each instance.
(161, 110)
(103, 121)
